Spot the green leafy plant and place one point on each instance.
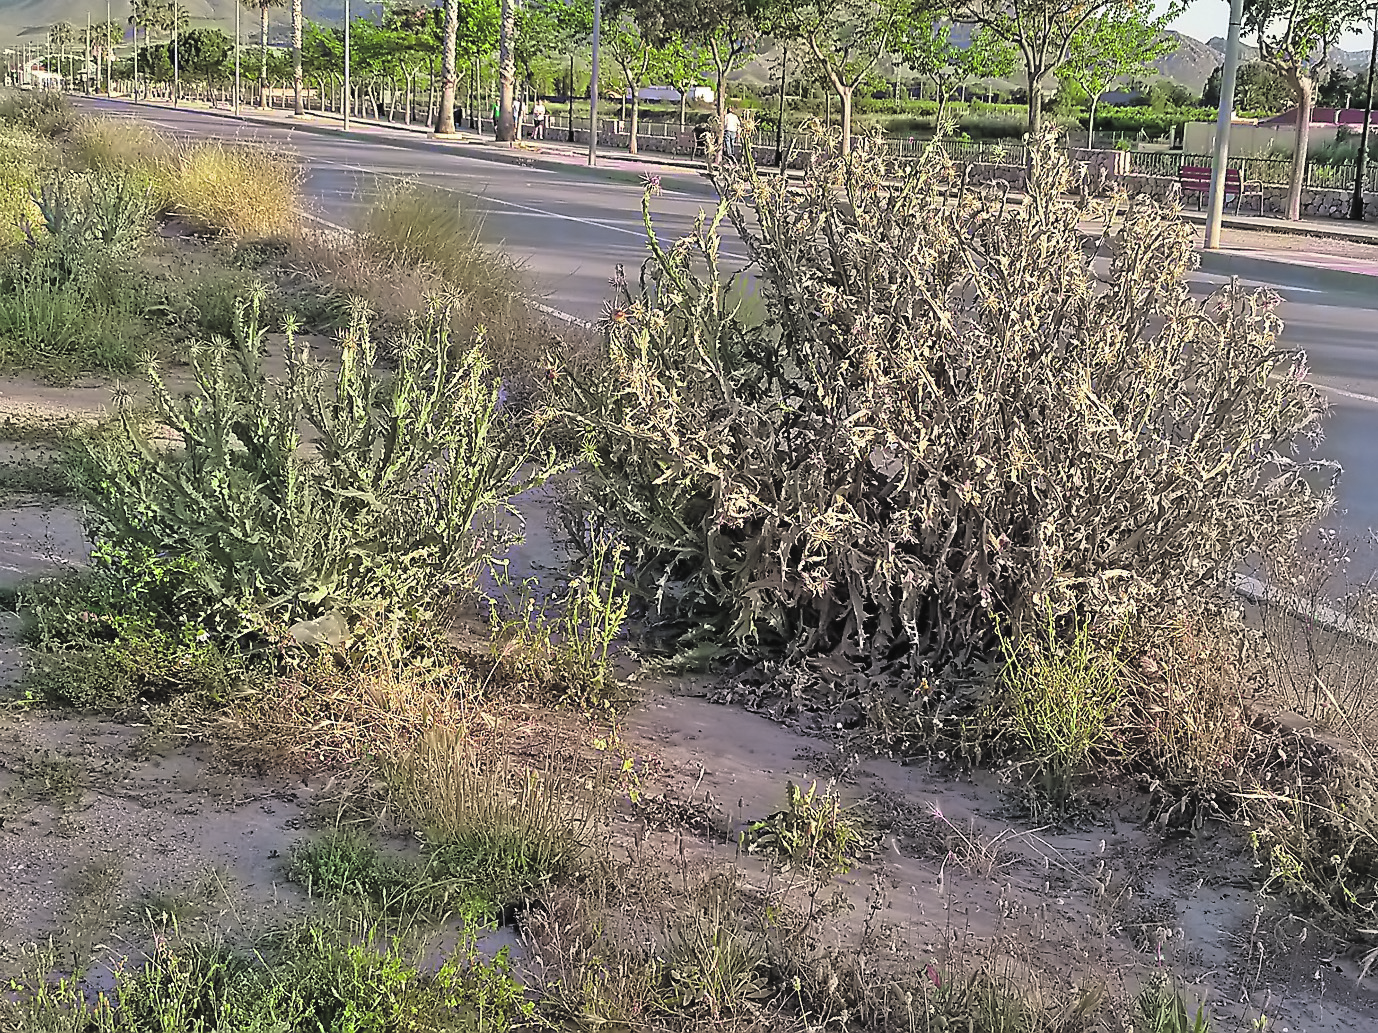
(310, 977)
(950, 412)
(131, 626)
(711, 966)
(1061, 693)
(1163, 1010)
(390, 502)
(813, 831)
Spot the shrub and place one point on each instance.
(388, 508)
(46, 113)
(231, 189)
(64, 305)
(948, 414)
(19, 161)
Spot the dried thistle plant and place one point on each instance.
(959, 404)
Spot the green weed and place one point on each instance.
(1060, 698)
(306, 978)
(813, 831)
(492, 830)
(1163, 1010)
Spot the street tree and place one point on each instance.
(1042, 31)
(470, 28)
(847, 39)
(634, 56)
(104, 37)
(60, 37)
(263, 7)
(1113, 46)
(925, 45)
(296, 58)
(726, 30)
(1257, 88)
(682, 65)
(1295, 38)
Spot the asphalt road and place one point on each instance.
(573, 230)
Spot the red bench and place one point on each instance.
(1196, 179)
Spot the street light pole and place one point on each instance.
(571, 96)
(176, 62)
(1356, 206)
(780, 123)
(348, 97)
(238, 45)
(593, 85)
(1222, 127)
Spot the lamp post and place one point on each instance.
(348, 97)
(1222, 127)
(238, 43)
(176, 63)
(571, 96)
(1356, 205)
(780, 123)
(593, 85)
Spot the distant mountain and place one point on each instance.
(1191, 64)
(27, 20)
(1354, 60)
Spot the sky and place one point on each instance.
(1206, 18)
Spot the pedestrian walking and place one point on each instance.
(732, 129)
(538, 120)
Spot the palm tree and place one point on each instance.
(263, 7)
(445, 118)
(296, 56)
(146, 15)
(507, 72)
(60, 38)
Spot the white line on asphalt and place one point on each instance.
(559, 314)
(1368, 399)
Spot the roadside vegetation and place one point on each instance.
(1009, 547)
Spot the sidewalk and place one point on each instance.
(1313, 254)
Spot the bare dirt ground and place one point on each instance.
(107, 825)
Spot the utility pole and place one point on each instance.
(176, 62)
(593, 85)
(348, 97)
(1222, 127)
(238, 45)
(780, 123)
(86, 64)
(107, 51)
(1356, 207)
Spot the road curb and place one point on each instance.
(1287, 274)
(694, 184)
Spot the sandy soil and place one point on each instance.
(105, 822)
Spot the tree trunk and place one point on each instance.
(844, 94)
(1091, 125)
(683, 102)
(296, 57)
(445, 118)
(507, 72)
(938, 117)
(1305, 90)
(636, 111)
(1035, 105)
(263, 57)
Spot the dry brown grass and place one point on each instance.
(226, 189)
